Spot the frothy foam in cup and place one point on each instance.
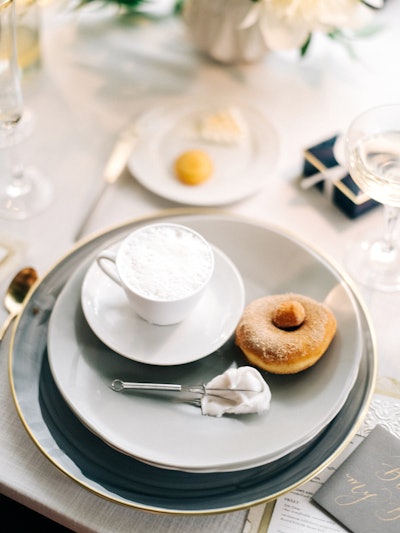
(165, 262)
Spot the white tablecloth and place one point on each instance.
(98, 73)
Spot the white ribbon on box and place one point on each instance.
(331, 176)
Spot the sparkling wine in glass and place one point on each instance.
(372, 145)
(24, 191)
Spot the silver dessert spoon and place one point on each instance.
(16, 294)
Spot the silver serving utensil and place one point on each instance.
(114, 167)
(118, 386)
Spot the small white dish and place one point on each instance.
(240, 170)
(206, 329)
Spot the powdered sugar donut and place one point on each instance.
(285, 333)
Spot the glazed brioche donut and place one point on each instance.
(285, 333)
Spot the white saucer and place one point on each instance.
(206, 329)
(240, 170)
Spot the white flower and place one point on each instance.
(287, 24)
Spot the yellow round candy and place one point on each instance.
(193, 167)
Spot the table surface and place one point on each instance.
(98, 73)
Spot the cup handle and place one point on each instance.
(106, 261)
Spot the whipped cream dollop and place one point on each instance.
(237, 391)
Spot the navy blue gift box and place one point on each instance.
(344, 193)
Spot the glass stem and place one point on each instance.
(391, 215)
(18, 185)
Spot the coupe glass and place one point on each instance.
(372, 145)
(23, 191)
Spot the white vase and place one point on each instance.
(216, 28)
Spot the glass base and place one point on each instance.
(18, 202)
(371, 263)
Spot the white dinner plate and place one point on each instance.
(210, 324)
(240, 170)
(172, 434)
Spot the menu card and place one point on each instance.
(296, 512)
(364, 492)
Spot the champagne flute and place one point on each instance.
(372, 145)
(26, 190)
(27, 28)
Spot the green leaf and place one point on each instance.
(304, 48)
(131, 6)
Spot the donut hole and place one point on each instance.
(288, 315)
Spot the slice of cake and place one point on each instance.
(226, 126)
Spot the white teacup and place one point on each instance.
(163, 268)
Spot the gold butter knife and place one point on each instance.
(114, 167)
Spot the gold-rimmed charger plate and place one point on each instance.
(67, 443)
